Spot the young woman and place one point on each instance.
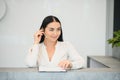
(49, 49)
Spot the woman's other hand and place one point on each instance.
(65, 64)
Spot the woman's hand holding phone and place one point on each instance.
(38, 35)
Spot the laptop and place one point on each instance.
(50, 69)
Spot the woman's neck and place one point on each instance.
(49, 43)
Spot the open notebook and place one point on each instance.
(51, 69)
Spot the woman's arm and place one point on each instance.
(76, 60)
(31, 59)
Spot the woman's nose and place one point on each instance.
(55, 32)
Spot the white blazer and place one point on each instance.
(63, 51)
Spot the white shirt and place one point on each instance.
(63, 51)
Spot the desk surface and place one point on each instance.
(82, 74)
(108, 61)
(80, 70)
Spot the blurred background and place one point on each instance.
(83, 22)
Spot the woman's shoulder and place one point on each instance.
(65, 45)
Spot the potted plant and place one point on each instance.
(115, 41)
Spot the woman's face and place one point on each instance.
(52, 31)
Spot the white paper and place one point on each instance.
(51, 69)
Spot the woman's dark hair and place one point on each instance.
(48, 20)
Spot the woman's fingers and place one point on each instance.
(39, 33)
(37, 36)
(65, 64)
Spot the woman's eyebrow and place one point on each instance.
(59, 28)
(54, 28)
(51, 28)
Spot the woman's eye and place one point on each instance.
(59, 29)
(51, 29)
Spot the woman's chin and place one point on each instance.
(53, 40)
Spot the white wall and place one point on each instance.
(83, 23)
(109, 25)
